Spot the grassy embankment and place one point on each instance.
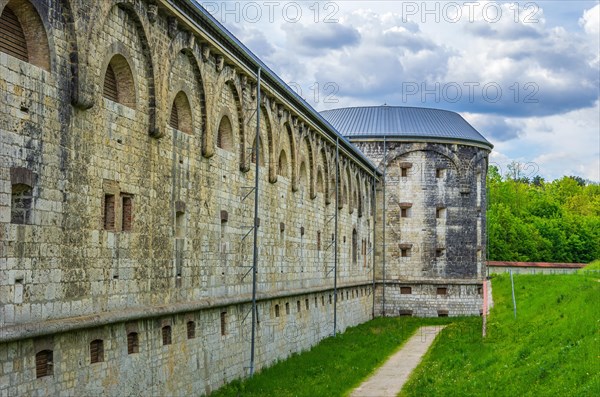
(552, 348)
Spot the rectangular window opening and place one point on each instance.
(442, 291)
(133, 345)
(109, 212)
(405, 290)
(127, 213)
(223, 323)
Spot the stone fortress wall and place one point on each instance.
(127, 130)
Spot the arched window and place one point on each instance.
(118, 82)
(354, 247)
(282, 169)
(320, 183)
(43, 363)
(303, 176)
(22, 34)
(261, 154)
(12, 38)
(97, 351)
(225, 134)
(133, 343)
(181, 114)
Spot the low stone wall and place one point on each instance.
(429, 299)
(216, 351)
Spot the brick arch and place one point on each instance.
(226, 81)
(198, 118)
(140, 25)
(234, 122)
(181, 106)
(37, 41)
(287, 129)
(118, 60)
(309, 158)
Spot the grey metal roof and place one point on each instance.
(403, 122)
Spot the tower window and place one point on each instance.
(21, 203)
(223, 323)
(97, 351)
(439, 252)
(276, 310)
(109, 212)
(133, 343)
(127, 212)
(191, 330)
(43, 364)
(405, 290)
(166, 335)
(442, 291)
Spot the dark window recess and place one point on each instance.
(404, 212)
(480, 290)
(298, 306)
(306, 304)
(318, 241)
(440, 213)
(109, 212)
(405, 313)
(166, 335)
(442, 313)
(322, 301)
(287, 308)
(276, 310)
(406, 290)
(12, 38)
(133, 343)
(174, 119)
(440, 173)
(110, 85)
(191, 330)
(404, 172)
(127, 213)
(405, 252)
(97, 351)
(223, 323)
(439, 252)
(442, 291)
(44, 365)
(330, 299)
(354, 246)
(21, 203)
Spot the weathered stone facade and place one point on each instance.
(127, 131)
(126, 167)
(435, 202)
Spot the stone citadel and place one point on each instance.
(128, 142)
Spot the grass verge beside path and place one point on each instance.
(335, 366)
(551, 349)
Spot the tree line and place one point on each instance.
(532, 220)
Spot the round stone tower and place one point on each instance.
(431, 236)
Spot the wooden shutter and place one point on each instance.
(174, 121)
(43, 363)
(12, 38)
(110, 85)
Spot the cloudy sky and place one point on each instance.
(525, 74)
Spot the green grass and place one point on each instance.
(551, 349)
(595, 265)
(336, 365)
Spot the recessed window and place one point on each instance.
(440, 213)
(405, 252)
(97, 351)
(166, 335)
(127, 212)
(306, 304)
(21, 203)
(480, 290)
(276, 310)
(404, 172)
(225, 134)
(330, 299)
(318, 241)
(442, 291)
(282, 168)
(440, 173)
(298, 306)
(180, 224)
(118, 82)
(440, 252)
(29, 44)
(44, 365)
(109, 212)
(287, 308)
(354, 247)
(223, 323)
(405, 290)
(442, 313)
(133, 343)
(191, 330)
(322, 301)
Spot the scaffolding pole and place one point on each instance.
(337, 207)
(374, 211)
(383, 208)
(255, 252)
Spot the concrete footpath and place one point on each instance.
(391, 376)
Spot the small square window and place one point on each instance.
(405, 252)
(405, 313)
(442, 291)
(404, 172)
(404, 212)
(442, 313)
(439, 253)
(440, 213)
(405, 290)
(440, 173)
